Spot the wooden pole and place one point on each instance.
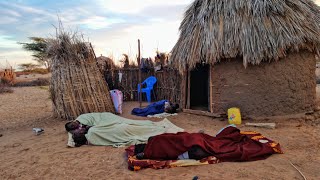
(95, 57)
(211, 89)
(188, 87)
(139, 76)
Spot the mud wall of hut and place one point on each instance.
(284, 87)
(167, 86)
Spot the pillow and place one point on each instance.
(71, 142)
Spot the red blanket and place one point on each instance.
(228, 145)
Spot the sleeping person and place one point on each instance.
(229, 145)
(107, 129)
(156, 108)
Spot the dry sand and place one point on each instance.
(24, 155)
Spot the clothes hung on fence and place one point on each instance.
(120, 77)
(146, 64)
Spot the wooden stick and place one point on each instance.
(139, 76)
(210, 89)
(298, 171)
(202, 113)
(188, 88)
(263, 125)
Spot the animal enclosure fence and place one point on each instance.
(126, 80)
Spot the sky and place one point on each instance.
(112, 26)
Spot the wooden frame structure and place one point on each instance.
(186, 98)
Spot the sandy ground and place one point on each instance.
(23, 155)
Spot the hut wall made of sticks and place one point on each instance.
(77, 86)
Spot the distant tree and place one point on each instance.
(28, 66)
(38, 47)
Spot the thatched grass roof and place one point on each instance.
(105, 61)
(256, 30)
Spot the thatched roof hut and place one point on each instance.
(77, 86)
(105, 63)
(257, 31)
(226, 33)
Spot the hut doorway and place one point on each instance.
(199, 87)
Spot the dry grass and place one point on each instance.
(5, 89)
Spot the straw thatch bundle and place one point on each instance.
(77, 85)
(257, 30)
(105, 63)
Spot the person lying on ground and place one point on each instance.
(156, 108)
(73, 125)
(108, 129)
(229, 145)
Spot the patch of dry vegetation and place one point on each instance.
(36, 82)
(4, 88)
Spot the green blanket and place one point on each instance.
(110, 129)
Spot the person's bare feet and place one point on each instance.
(201, 131)
(140, 156)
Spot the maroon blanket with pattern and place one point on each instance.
(229, 145)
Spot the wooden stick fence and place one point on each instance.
(167, 86)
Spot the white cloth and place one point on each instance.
(71, 142)
(120, 76)
(162, 115)
(169, 126)
(183, 156)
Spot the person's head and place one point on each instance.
(172, 108)
(72, 125)
(79, 137)
(196, 152)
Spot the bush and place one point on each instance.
(38, 82)
(4, 88)
(42, 82)
(5, 81)
(40, 71)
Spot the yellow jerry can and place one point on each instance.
(234, 116)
